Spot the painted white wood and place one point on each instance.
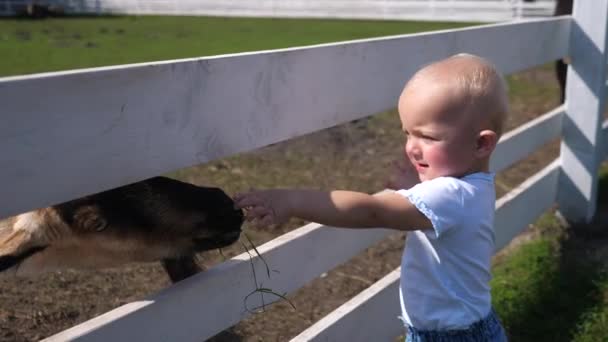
(458, 10)
(523, 140)
(205, 304)
(526, 202)
(585, 100)
(68, 134)
(372, 315)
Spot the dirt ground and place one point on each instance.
(349, 156)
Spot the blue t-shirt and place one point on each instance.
(445, 271)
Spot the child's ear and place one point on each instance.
(486, 142)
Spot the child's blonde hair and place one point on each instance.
(482, 87)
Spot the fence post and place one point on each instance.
(585, 99)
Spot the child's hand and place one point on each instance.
(264, 207)
(404, 175)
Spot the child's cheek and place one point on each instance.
(443, 161)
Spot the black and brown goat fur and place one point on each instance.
(158, 219)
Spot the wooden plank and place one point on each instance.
(68, 134)
(194, 309)
(353, 321)
(372, 315)
(525, 139)
(585, 103)
(522, 205)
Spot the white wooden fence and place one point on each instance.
(444, 10)
(68, 134)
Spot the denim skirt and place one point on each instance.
(488, 329)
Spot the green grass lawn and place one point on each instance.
(550, 289)
(28, 46)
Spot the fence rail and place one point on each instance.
(445, 10)
(130, 122)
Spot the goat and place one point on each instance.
(158, 219)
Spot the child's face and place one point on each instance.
(441, 140)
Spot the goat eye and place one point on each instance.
(96, 224)
(88, 219)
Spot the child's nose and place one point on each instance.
(412, 148)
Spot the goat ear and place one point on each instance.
(89, 219)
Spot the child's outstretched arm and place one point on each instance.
(336, 208)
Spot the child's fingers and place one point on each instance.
(237, 198)
(257, 208)
(260, 221)
(267, 221)
(256, 213)
(240, 195)
(246, 200)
